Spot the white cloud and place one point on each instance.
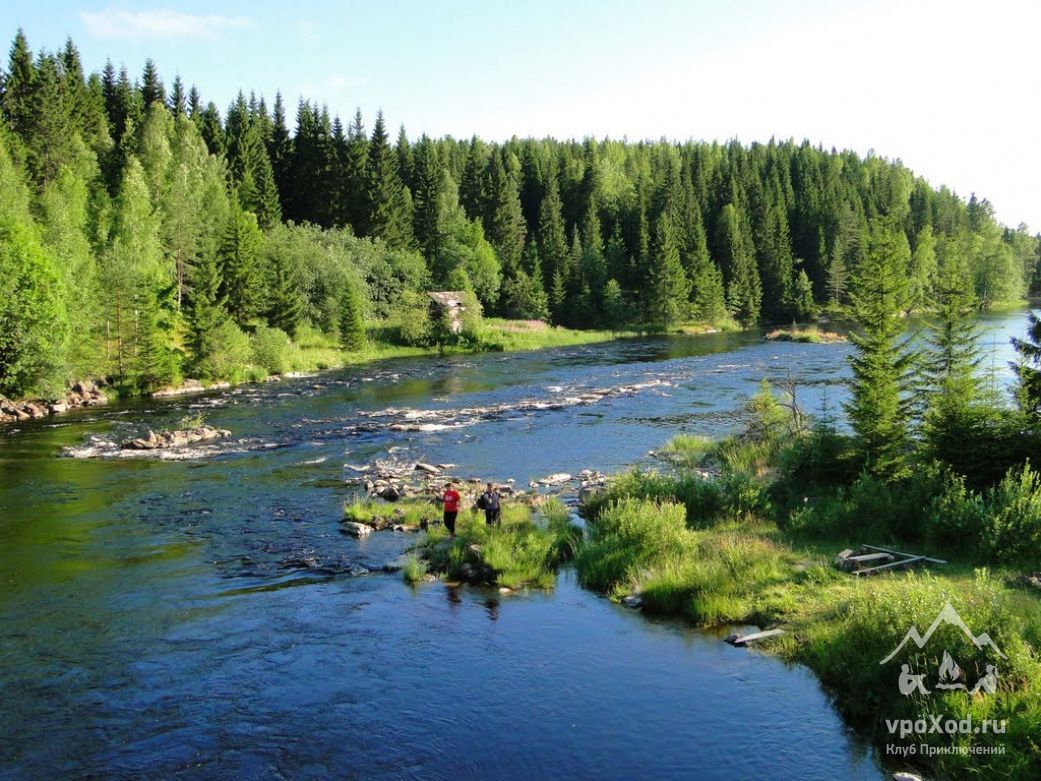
(160, 23)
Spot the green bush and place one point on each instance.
(273, 350)
(412, 323)
(872, 508)
(231, 354)
(625, 536)
(1002, 525)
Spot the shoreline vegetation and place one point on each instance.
(148, 236)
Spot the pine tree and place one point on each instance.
(744, 293)
(284, 307)
(1028, 368)
(239, 256)
(922, 270)
(19, 87)
(353, 180)
(152, 90)
(668, 289)
(178, 100)
(429, 188)
(952, 385)
(389, 216)
(878, 408)
(552, 242)
(206, 310)
(352, 321)
(503, 220)
(471, 185)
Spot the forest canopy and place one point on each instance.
(147, 235)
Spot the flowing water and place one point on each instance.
(202, 616)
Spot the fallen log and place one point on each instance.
(742, 640)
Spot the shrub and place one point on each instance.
(411, 319)
(688, 450)
(230, 356)
(872, 508)
(273, 350)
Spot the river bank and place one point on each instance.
(719, 547)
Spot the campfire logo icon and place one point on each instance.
(951, 676)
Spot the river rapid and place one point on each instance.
(200, 615)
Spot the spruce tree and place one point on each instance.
(743, 289)
(668, 291)
(284, 308)
(503, 220)
(239, 256)
(389, 215)
(878, 408)
(352, 321)
(552, 242)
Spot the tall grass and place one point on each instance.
(520, 551)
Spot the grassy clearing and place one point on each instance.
(810, 334)
(524, 550)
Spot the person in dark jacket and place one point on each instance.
(491, 503)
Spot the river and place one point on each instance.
(205, 618)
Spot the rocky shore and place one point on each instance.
(82, 394)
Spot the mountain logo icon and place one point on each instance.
(948, 615)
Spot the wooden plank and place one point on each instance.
(910, 555)
(893, 565)
(742, 640)
(870, 557)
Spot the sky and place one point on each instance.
(948, 87)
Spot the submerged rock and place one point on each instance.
(633, 600)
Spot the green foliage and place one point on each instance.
(130, 196)
(273, 350)
(230, 355)
(412, 321)
(878, 409)
(352, 319)
(415, 569)
(1000, 525)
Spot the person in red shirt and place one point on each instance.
(450, 498)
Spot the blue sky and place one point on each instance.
(950, 87)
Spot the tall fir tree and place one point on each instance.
(879, 406)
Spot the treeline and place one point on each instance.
(144, 234)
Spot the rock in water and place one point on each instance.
(390, 493)
(430, 469)
(901, 775)
(556, 479)
(356, 529)
(176, 438)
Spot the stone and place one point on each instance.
(558, 478)
(390, 493)
(429, 469)
(632, 601)
(355, 529)
(176, 438)
(34, 410)
(84, 387)
(57, 407)
(902, 775)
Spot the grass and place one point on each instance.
(524, 550)
(415, 569)
(712, 551)
(687, 450)
(380, 514)
(751, 572)
(810, 334)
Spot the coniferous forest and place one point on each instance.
(147, 234)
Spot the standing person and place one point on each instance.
(490, 503)
(450, 499)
